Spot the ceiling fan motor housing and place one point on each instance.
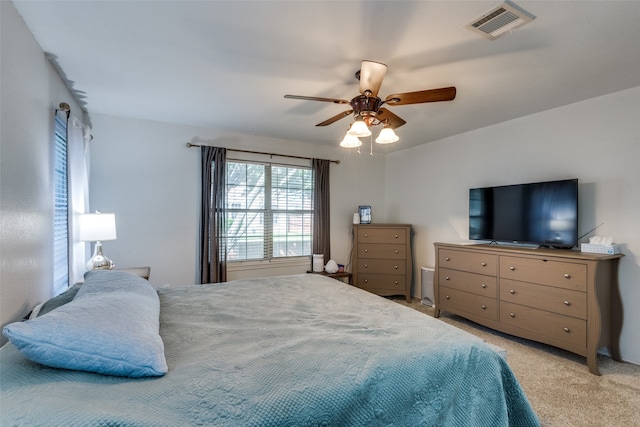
(365, 106)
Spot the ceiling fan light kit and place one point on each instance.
(350, 141)
(359, 129)
(387, 136)
(367, 107)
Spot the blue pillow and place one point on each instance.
(110, 327)
(55, 302)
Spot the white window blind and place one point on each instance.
(61, 208)
(269, 211)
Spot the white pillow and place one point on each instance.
(110, 327)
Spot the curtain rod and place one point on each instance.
(64, 107)
(189, 145)
(67, 110)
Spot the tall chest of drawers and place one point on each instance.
(381, 261)
(564, 298)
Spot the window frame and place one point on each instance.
(268, 213)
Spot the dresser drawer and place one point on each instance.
(474, 262)
(567, 329)
(455, 300)
(558, 300)
(368, 250)
(373, 282)
(381, 235)
(540, 270)
(469, 282)
(381, 266)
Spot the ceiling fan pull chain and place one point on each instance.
(371, 142)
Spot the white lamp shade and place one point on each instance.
(97, 227)
(387, 136)
(350, 141)
(359, 128)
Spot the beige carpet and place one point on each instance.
(558, 383)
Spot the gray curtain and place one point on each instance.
(321, 225)
(213, 251)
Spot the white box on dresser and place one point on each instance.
(600, 249)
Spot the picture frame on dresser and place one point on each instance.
(365, 214)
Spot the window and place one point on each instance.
(61, 209)
(269, 211)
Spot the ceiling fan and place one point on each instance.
(368, 107)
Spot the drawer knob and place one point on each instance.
(566, 330)
(366, 235)
(446, 259)
(512, 292)
(512, 268)
(396, 267)
(567, 276)
(396, 282)
(397, 251)
(567, 303)
(483, 285)
(484, 307)
(366, 251)
(366, 266)
(446, 277)
(366, 280)
(512, 314)
(447, 297)
(484, 264)
(396, 236)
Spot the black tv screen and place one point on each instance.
(543, 213)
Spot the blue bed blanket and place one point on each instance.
(301, 350)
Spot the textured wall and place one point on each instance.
(31, 90)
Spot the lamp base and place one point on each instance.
(98, 261)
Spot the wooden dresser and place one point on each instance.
(381, 259)
(564, 298)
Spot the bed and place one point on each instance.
(300, 350)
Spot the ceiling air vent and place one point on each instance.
(500, 20)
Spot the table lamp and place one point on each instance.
(97, 227)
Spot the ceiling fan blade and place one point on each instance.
(371, 75)
(431, 95)
(316, 98)
(335, 118)
(394, 121)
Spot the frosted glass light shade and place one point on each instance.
(359, 128)
(350, 141)
(387, 136)
(96, 227)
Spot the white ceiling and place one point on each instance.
(228, 64)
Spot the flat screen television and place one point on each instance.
(543, 213)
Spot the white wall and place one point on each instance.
(596, 141)
(143, 172)
(31, 90)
